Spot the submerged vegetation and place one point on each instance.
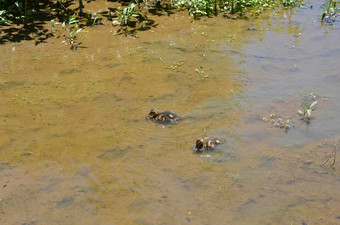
(291, 118)
(278, 121)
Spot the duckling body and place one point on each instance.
(165, 117)
(207, 144)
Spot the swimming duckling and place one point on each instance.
(163, 117)
(207, 144)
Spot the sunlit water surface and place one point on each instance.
(75, 147)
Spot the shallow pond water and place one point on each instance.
(75, 147)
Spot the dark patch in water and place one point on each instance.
(269, 67)
(147, 42)
(333, 79)
(304, 222)
(137, 206)
(69, 71)
(232, 52)
(51, 187)
(267, 161)
(247, 204)
(114, 153)
(180, 49)
(293, 181)
(84, 170)
(65, 202)
(186, 187)
(330, 53)
(8, 85)
(110, 66)
(125, 79)
(165, 96)
(30, 223)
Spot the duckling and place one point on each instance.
(207, 144)
(163, 117)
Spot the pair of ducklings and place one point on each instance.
(167, 117)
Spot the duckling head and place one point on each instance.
(153, 113)
(199, 145)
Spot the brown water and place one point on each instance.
(75, 147)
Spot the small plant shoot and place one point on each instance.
(306, 111)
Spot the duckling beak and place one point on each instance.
(196, 149)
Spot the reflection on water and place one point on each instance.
(75, 146)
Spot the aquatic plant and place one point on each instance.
(95, 20)
(125, 15)
(14, 11)
(199, 8)
(291, 3)
(201, 73)
(278, 121)
(306, 111)
(331, 11)
(4, 17)
(175, 66)
(73, 33)
(70, 20)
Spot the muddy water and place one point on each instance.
(75, 147)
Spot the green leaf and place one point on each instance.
(300, 112)
(309, 111)
(78, 31)
(313, 104)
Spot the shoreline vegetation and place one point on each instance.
(67, 18)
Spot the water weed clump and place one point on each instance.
(70, 26)
(198, 8)
(331, 11)
(16, 11)
(176, 65)
(128, 16)
(125, 15)
(278, 121)
(72, 36)
(231, 8)
(306, 111)
(201, 73)
(291, 3)
(131, 15)
(5, 17)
